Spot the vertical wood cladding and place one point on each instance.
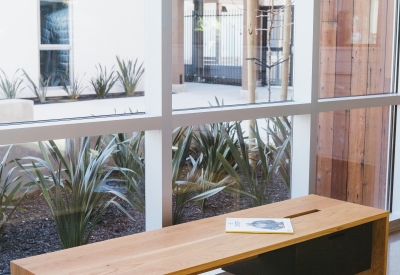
(355, 59)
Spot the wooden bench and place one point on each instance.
(203, 245)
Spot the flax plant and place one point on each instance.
(281, 133)
(129, 75)
(10, 87)
(71, 186)
(252, 184)
(129, 158)
(9, 186)
(209, 141)
(73, 87)
(103, 82)
(41, 90)
(188, 182)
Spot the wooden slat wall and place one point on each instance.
(341, 119)
(353, 144)
(327, 89)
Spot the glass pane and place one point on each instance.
(356, 47)
(95, 84)
(55, 66)
(352, 157)
(54, 22)
(236, 170)
(210, 55)
(32, 230)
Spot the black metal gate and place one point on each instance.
(214, 47)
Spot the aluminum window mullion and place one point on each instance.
(394, 193)
(53, 47)
(359, 102)
(238, 113)
(306, 75)
(158, 41)
(32, 132)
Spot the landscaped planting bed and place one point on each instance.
(92, 189)
(33, 232)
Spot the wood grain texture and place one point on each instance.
(327, 90)
(355, 169)
(383, 174)
(344, 48)
(362, 54)
(341, 120)
(340, 154)
(380, 233)
(203, 245)
(388, 43)
(324, 154)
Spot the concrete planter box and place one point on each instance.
(16, 110)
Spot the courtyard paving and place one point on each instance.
(196, 95)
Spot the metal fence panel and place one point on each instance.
(213, 49)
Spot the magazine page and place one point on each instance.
(259, 225)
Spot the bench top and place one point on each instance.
(203, 245)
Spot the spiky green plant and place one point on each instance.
(188, 182)
(71, 186)
(281, 133)
(73, 87)
(9, 186)
(129, 158)
(210, 140)
(129, 75)
(250, 182)
(41, 90)
(103, 82)
(10, 87)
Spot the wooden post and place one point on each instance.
(286, 49)
(251, 26)
(197, 54)
(251, 76)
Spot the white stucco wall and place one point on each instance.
(102, 29)
(19, 38)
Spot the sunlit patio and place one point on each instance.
(196, 95)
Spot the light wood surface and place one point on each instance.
(203, 245)
(355, 59)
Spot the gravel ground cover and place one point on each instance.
(33, 232)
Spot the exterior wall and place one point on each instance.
(97, 37)
(112, 30)
(19, 38)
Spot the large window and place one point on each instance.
(356, 54)
(55, 42)
(342, 145)
(223, 53)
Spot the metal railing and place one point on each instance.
(213, 48)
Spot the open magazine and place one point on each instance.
(259, 225)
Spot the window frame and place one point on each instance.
(160, 119)
(57, 47)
